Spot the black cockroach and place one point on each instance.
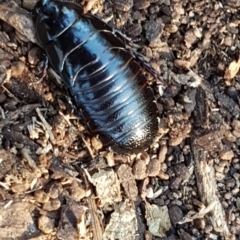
(104, 79)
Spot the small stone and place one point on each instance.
(54, 190)
(52, 205)
(175, 214)
(182, 63)
(20, 187)
(7, 161)
(184, 235)
(162, 153)
(153, 30)
(2, 97)
(221, 66)
(236, 126)
(230, 183)
(236, 166)
(199, 223)
(41, 196)
(96, 143)
(228, 41)
(33, 55)
(182, 171)
(123, 5)
(76, 192)
(219, 168)
(208, 229)
(225, 204)
(148, 235)
(230, 136)
(154, 167)
(233, 3)
(190, 38)
(228, 195)
(46, 224)
(17, 68)
(139, 169)
(228, 155)
(141, 4)
(175, 195)
(163, 176)
(236, 176)
(128, 181)
(175, 183)
(134, 30)
(235, 191)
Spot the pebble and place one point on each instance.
(236, 176)
(236, 166)
(153, 168)
(182, 171)
(163, 176)
(153, 30)
(200, 223)
(230, 183)
(224, 204)
(54, 190)
(175, 214)
(52, 204)
(184, 235)
(228, 41)
(17, 68)
(228, 195)
(208, 229)
(139, 169)
(32, 55)
(46, 224)
(175, 183)
(228, 155)
(2, 97)
(21, 187)
(134, 30)
(162, 153)
(76, 192)
(219, 168)
(123, 5)
(41, 196)
(141, 4)
(235, 190)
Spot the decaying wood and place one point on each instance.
(207, 188)
(18, 18)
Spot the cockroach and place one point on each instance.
(103, 78)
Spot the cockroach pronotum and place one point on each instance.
(103, 78)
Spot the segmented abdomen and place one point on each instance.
(103, 78)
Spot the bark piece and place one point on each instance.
(207, 189)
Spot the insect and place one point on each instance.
(103, 78)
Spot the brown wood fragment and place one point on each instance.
(200, 113)
(207, 188)
(71, 215)
(96, 220)
(211, 141)
(128, 182)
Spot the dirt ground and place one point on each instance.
(57, 181)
